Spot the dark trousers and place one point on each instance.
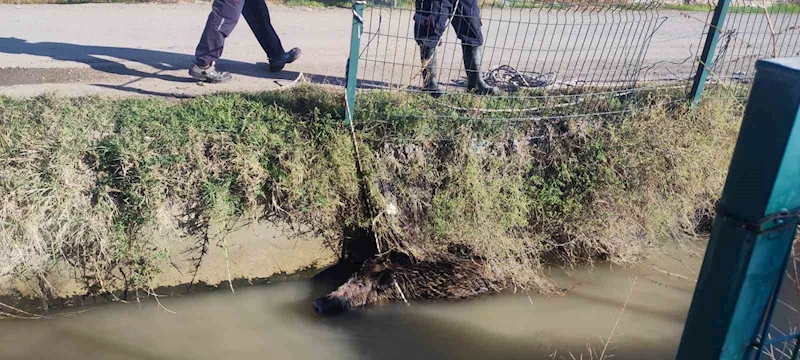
(431, 18)
(223, 18)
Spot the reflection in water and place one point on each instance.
(277, 322)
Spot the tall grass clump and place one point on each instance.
(94, 185)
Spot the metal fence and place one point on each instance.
(739, 33)
(780, 327)
(549, 55)
(538, 55)
(569, 45)
(740, 310)
(752, 30)
(554, 60)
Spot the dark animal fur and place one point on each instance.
(380, 277)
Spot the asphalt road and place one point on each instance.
(144, 49)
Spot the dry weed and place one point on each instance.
(96, 184)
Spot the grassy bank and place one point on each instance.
(90, 182)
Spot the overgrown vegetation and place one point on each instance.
(93, 183)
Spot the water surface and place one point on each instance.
(276, 322)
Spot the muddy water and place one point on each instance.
(276, 322)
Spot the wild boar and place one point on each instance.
(396, 277)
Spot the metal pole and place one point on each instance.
(717, 21)
(756, 221)
(352, 61)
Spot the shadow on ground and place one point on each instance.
(112, 60)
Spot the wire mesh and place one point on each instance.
(753, 30)
(543, 56)
(778, 334)
(559, 61)
(550, 54)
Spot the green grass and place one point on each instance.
(90, 182)
(772, 9)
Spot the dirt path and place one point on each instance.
(124, 50)
(144, 49)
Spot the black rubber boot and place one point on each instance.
(429, 81)
(472, 64)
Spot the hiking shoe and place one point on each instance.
(209, 74)
(289, 57)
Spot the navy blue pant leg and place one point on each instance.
(467, 23)
(256, 14)
(431, 18)
(223, 18)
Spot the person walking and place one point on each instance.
(430, 22)
(223, 18)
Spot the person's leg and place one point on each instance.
(221, 22)
(256, 14)
(467, 24)
(430, 21)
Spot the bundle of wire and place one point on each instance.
(510, 79)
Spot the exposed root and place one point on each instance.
(400, 291)
(19, 314)
(160, 306)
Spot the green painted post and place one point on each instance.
(750, 238)
(352, 61)
(717, 21)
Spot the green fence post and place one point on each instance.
(755, 223)
(717, 21)
(352, 62)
